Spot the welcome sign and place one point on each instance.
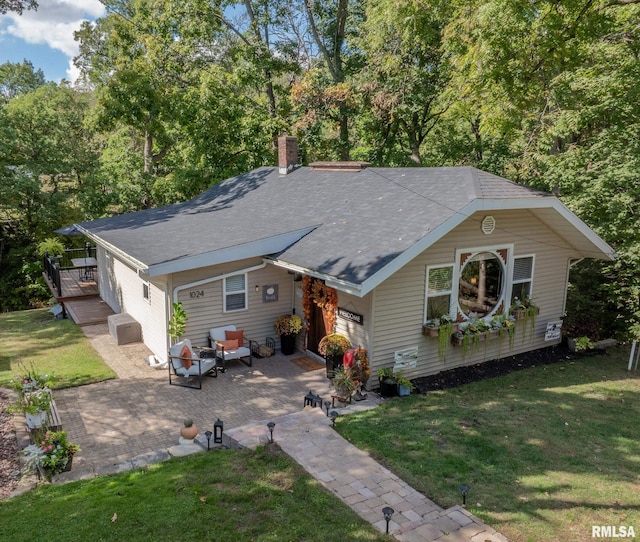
(351, 316)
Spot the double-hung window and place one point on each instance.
(439, 290)
(522, 277)
(235, 293)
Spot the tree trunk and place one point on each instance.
(148, 152)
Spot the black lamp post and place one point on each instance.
(333, 415)
(327, 405)
(218, 427)
(464, 489)
(387, 511)
(271, 425)
(208, 434)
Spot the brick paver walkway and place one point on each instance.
(140, 415)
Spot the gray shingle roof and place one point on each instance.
(360, 221)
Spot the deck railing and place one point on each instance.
(53, 265)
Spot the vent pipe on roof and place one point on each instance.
(287, 154)
(339, 166)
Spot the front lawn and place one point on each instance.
(52, 346)
(548, 451)
(226, 495)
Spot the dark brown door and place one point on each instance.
(317, 328)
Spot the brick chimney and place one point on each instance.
(287, 154)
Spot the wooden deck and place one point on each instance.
(72, 286)
(81, 299)
(89, 311)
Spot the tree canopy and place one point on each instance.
(175, 97)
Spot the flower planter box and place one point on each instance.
(522, 313)
(457, 340)
(432, 331)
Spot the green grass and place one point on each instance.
(548, 452)
(53, 347)
(226, 495)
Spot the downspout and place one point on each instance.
(178, 289)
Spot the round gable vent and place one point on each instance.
(488, 225)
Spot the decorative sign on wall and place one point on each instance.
(351, 316)
(270, 293)
(405, 358)
(553, 331)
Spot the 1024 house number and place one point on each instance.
(194, 294)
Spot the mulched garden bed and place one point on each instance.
(497, 367)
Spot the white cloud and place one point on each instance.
(72, 72)
(54, 23)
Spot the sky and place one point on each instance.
(45, 36)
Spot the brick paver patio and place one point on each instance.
(135, 419)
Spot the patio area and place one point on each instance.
(131, 421)
(140, 412)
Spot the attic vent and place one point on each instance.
(488, 225)
(338, 166)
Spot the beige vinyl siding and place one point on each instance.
(107, 279)
(121, 288)
(357, 334)
(399, 301)
(206, 311)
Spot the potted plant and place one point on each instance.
(405, 386)
(344, 381)
(361, 367)
(388, 383)
(177, 322)
(333, 347)
(34, 405)
(30, 380)
(189, 431)
(52, 454)
(287, 327)
(580, 344)
(524, 309)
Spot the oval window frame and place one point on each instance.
(467, 257)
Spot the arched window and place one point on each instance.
(481, 283)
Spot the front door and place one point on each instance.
(317, 328)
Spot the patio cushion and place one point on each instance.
(185, 354)
(229, 344)
(237, 334)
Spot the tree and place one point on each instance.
(18, 78)
(269, 40)
(160, 73)
(17, 6)
(45, 155)
(557, 83)
(324, 93)
(404, 79)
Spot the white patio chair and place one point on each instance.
(187, 367)
(217, 340)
